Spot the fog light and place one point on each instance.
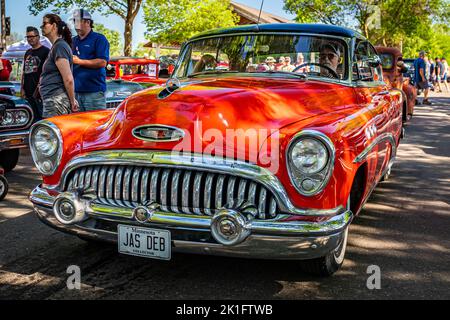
(308, 185)
(229, 227)
(69, 208)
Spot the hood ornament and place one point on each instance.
(172, 84)
(158, 133)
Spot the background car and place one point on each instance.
(16, 118)
(162, 173)
(394, 69)
(119, 90)
(141, 70)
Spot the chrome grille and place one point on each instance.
(174, 189)
(113, 104)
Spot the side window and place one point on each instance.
(364, 63)
(377, 71)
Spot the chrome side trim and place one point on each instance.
(165, 159)
(381, 138)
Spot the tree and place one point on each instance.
(113, 36)
(175, 21)
(397, 19)
(125, 9)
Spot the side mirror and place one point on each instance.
(374, 62)
(402, 66)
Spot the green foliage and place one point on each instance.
(412, 25)
(141, 51)
(125, 9)
(174, 21)
(113, 36)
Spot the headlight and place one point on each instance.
(309, 155)
(46, 146)
(45, 141)
(310, 158)
(17, 118)
(8, 119)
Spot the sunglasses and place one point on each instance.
(29, 37)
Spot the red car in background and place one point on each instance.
(393, 70)
(140, 70)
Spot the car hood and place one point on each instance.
(206, 108)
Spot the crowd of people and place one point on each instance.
(430, 74)
(69, 77)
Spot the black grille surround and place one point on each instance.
(178, 190)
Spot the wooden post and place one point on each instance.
(3, 24)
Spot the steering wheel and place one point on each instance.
(333, 73)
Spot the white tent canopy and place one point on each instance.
(17, 50)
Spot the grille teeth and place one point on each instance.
(174, 189)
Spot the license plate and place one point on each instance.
(144, 242)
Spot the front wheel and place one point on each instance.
(3, 187)
(329, 264)
(9, 159)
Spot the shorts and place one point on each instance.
(56, 105)
(444, 77)
(89, 101)
(423, 85)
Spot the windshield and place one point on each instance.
(266, 54)
(387, 60)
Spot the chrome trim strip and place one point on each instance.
(185, 195)
(219, 191)
(174, 192)
(4, 135)
(165, 159)
(196, 195)
(262, 203)
(379, 139)
(328, 168)
(208, 194)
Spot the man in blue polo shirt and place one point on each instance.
(90, 57)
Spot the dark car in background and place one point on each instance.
(119, 90)
(409, 63)
(16, 118)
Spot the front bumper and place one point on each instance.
(14, 140)
(267, 239)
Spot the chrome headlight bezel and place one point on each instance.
(13, 114)
(40, 159)
(311, 183)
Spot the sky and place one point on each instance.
(21, 17)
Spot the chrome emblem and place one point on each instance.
(158, 133)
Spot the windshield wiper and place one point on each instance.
(211, 72)
(299, 75)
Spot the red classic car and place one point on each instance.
(393, 70)
(134, 69)
(238, 162)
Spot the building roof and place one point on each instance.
(325, 29)
(250, 15)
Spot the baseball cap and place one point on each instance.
(422, 53)
(330, 46)
(270, 59)
(81, 14)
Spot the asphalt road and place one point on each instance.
(404, 229)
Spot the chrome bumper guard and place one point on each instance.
(13, 140)
(230, 232)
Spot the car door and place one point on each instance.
(373, 94)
